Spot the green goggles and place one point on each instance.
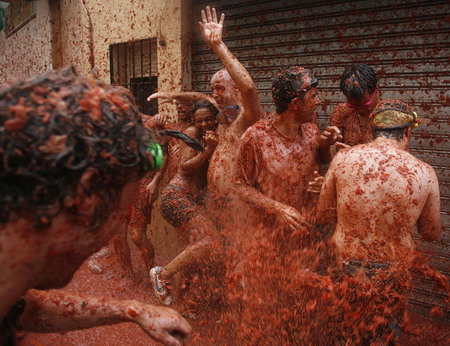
(157, 155)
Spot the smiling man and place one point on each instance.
(277, 157)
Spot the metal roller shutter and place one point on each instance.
(407, 42)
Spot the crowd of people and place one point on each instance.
(76, 154)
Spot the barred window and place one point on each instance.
(133, 65)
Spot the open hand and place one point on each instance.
(315, 185)
(160, 120)
(162, 324)
(330, 136)
(211, 140)
(291, 217)
(210, 28)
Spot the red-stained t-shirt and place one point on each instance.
(349, 122)
(279, 166)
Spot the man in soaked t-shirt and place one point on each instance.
(277, 157)
(359, 85)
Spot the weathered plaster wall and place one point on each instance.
(28, 51)
(112, 21)
(72, 34)
(118, 21)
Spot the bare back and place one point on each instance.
(381, 192)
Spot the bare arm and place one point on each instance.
(153, 186)
(55, 311)
(429, 222)
(192, 160)
(326, 213)
(211, 31)
(183, 96)
(328, 138)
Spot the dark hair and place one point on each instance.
(204, 104)
(396, 134)
(358, 79)
(52, 129)
(286, 86)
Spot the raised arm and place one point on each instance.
(183, 96)
(56, 311)
(326, 213)
(211, 31)
(429, 222)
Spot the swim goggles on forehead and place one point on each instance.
(313, 84)
(157, 157)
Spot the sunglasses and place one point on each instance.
(313, 84)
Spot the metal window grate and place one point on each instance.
(133, 65)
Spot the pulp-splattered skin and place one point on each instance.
(278, 157)
(380, 192)
(231, 86)
(354, 127)
(180, 200)
(47, 258)
(140, 213)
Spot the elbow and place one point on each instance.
(430, 233)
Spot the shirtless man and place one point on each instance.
(277, 157)
(230, 87)
(140, 212)
(379, 192)
(72, 150)
(182, 201)
(359, 85)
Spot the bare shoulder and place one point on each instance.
(416, 162)
(191, 131)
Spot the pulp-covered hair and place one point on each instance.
(358, 79)
(286, 86)
(204, 104)
(396, 134)
(56, 126)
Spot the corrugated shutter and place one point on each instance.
(407, 42)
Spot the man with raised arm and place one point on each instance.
(231, 86)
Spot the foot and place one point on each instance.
(160, 285)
